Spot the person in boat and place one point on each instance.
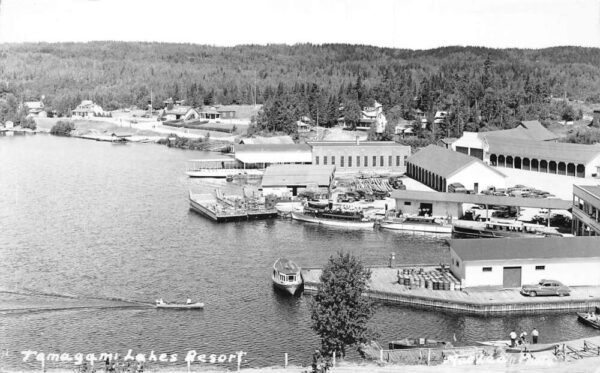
(523, 338)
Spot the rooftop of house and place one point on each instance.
(444, 162)
(591, 189)
(267, 140)
(354, 143)
(485, 249)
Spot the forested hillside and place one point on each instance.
(482, 88)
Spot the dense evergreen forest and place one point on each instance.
(481, 88)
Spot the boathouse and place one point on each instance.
(586, 210)
(356, 156)
(288, 180)
(512, 262)
(417, 202)
(439, 167)
(262, 155)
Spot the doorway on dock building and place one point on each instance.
(511, 277)
(426, 209)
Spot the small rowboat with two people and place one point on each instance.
(591, 319)
(286, 276)
(189, 305)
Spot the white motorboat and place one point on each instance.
(286, 275)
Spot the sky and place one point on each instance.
(414, 24)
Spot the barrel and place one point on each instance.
(407, 281)
(452, 286)
(429, 284)
(446, 285)
(436, 285)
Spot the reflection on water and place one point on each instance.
(90, 219)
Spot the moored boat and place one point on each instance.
(407, 343)
(219, 168)
(590, 319)
(417, 224)
(498, 229)
(286, 275)
(334, 218)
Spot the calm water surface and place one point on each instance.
(87, 218)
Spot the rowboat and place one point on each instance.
(180, 306)
(286, 275)
(407, 343)
(589, 319)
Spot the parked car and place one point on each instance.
(457, 188)
(546, 287)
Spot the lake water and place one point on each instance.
(88, 218)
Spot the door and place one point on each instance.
(511, 277)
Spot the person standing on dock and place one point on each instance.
(513, 338)
(534, 335)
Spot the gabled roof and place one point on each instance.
(444, 162)
(526, 248)
(557, 151)
(526, 130)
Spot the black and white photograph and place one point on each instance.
(299, 186)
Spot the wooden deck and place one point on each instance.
(384, 287)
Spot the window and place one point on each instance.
(405, 158)
(381, 161)
(397, 160)
(390, 161)
(349, 161)
(358, 161)
(486, 269)
(341, 161)
(374, 161)
(317, 160)
(406, 203)
(366, 161)
(333, 159)
(457, 263)
(540, 268)
(325, 160)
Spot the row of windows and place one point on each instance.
(346, 161)
(489, 269)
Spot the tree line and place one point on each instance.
(481, 88)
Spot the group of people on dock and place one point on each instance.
(535, 334)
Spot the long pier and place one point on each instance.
(384, 287)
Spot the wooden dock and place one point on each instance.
(384, 287)
(219, 208)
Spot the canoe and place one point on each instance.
(587, 320)
(181, 306)
(407, 343)
(532, 348)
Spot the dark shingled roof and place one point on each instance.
(444, 162)
(485, 249)
(526, 130)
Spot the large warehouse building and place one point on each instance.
(510, 263)
(530, 147)
(438, 167)
(355, 156)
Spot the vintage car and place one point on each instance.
(546, 287)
